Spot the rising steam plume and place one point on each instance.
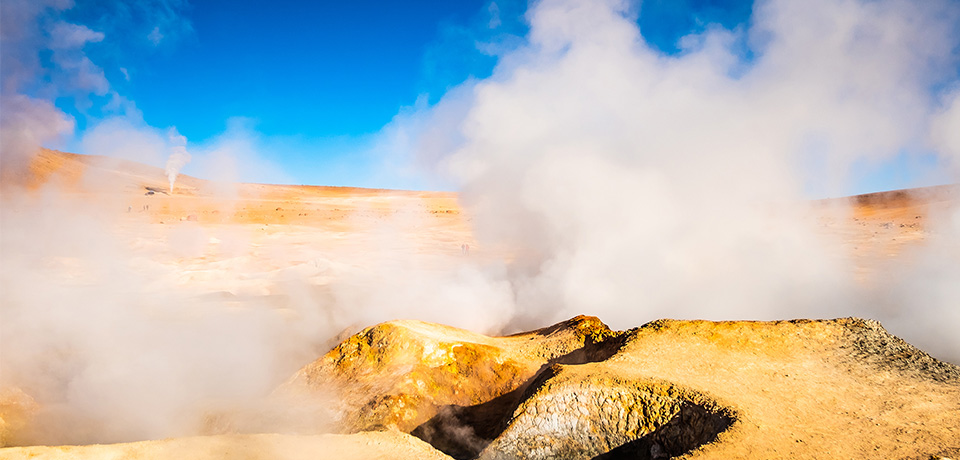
(179, 157)
(641, 185)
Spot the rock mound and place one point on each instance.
(573, 412)
(16, 413)
(403, 374)
(802, 389)
(698, 389)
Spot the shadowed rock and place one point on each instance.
(574, 412)
(691, 427)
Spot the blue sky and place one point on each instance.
(316, 80)
(327, 69)
(316, 69)
(312, 85)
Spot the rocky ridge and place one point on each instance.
(800, 389)
(696, 389)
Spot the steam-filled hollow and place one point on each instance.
(556, 234)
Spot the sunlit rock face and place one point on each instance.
(16, 413)
(402, 374)
(577, 390)
(571, 415)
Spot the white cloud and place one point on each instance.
(64, 35)
(494, 12)
(32, 29)
(155, 36)
(75, 71)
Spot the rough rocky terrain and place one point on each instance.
(425, 378)
(841, 388)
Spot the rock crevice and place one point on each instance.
(578, 414)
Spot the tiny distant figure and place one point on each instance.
(129, 209)
(465, 249)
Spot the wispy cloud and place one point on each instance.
(494, 11)
(155, 36)
(64, 35)
(46, 57)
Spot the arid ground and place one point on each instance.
(345, 387)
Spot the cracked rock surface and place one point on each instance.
(801, 389)
(402, 373)
(842, 388)
(576, 414)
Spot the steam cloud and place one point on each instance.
(26, 123)
(628, 184)
(640, 185)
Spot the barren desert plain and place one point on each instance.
(235, 321)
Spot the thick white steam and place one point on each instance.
(638, 185)
(616, 180)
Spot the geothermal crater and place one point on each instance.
(578, 390)
(252, 258)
